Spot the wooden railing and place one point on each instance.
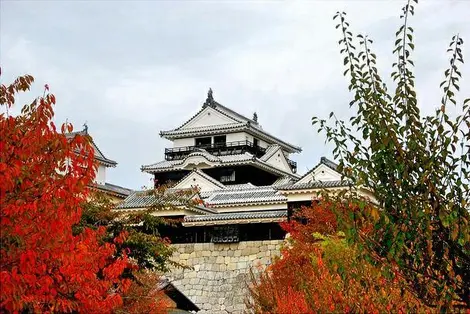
(222, 148)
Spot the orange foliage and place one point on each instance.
(144, 296)
(319, 273)
(43, 180)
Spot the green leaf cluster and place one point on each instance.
(143, 243)
(418, 166)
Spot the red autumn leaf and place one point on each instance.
(44, 267)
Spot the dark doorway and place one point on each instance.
(203, 141)
(220, 141)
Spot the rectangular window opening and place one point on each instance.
(220, 140)
(203, 142)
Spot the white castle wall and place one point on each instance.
(217, 281)
(100, 177)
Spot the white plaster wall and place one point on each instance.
(100, 177)
(193, 180)
(324, 173)
(262, 143)
(321, 173)
(302, 196)
(247, 137)
(239, 136)
(243, 136)
(209, 117)
(182, 142)
(279, 161)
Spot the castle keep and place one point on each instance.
(247, 184)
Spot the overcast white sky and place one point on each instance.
(133, 68)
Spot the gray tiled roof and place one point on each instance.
(329, 163)
(163, 165)
(98, 153)
(238, 216)
(241, 186)
(146, 199)
(233, 114)
(283, 181)
(205, 194)
(246, 196)
(218, 161)
(242, 122)
(223, 110)
(208, 128)
(270, 151)
(138, 199)
(315, 185)
(116, 189)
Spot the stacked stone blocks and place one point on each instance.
(217, 278)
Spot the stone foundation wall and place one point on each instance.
(217, 281)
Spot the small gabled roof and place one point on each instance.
(205, 177)
(323, 161)
(98, 153)
(270, 158)
(270, 151)
(210, 102)
(239, 123)
(313, 184)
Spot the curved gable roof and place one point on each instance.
(240, 123)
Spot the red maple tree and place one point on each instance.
(319, 272)
(44, 176)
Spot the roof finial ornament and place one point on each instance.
(255, 117)
(85, 127)
(210, 99)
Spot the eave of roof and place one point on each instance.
(112, 189)
(314, 185)
(241, 197)
(236, 218)
(233, 114)
(219, 161)
(145, 199)
(205, 176)
(242, 123)
(209, 129)
(270, 151)
(103, 160)
(230, 128)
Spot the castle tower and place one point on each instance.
(226, 146)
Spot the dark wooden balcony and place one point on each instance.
(217, 149)
(221, 149)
